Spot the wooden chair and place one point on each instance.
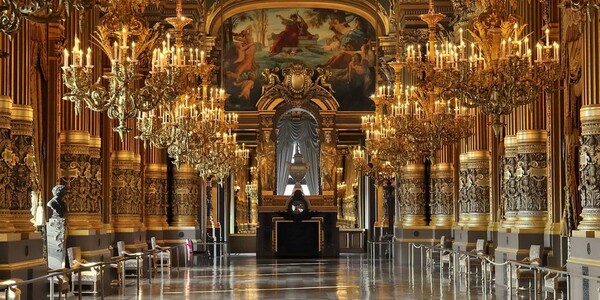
(467, 262)
(521, 274)
(89, 277)
(14, 293)
(189, 246)
(161, 256)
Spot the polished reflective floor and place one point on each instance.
(349, 277)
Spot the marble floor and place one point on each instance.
(349, 277)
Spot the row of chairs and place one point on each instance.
(473, 262)
(161, 258)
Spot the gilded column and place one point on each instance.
(463, 204)
(442, 188)
(186, 196)
(412, 195)
(156, 190)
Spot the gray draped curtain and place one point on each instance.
(303, 131)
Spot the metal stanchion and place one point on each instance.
(79, 282)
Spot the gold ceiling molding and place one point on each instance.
(364, 8)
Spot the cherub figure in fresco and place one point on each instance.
(332, 44)
(246, 86)
(246, 51)
(270, 80)
(323, 79)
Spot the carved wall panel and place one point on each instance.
(156, 195)
(463, 205)
(412, 195)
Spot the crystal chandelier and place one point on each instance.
(499, 72)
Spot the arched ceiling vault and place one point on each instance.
(372, 12)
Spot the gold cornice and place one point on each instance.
(122, 155)
(95, 142)
(590, 119)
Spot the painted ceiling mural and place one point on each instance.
(324, 39)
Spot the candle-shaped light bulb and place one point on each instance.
(168, 40)
(116, 51)
(547, 36)
(88, 58)
(133, 50)
(201, 57)
(65, 58)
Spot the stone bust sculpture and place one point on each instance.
(58, 206)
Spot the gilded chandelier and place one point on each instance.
(499, 72)
(123, 36)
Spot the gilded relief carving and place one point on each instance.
(510, 184)
(7, 162)
(463, 203)
(95, 181)
(22, 175)
(533, 185)
(442, 194)
(589, 160)
(75, 176)
(156, 196)
(186, 200)
(478, 190)
(412, 197)
(126, 191)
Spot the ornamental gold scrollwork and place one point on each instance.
(464, 186)
(297, 87)
(589, 169)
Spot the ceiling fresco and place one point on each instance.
(327, 40)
